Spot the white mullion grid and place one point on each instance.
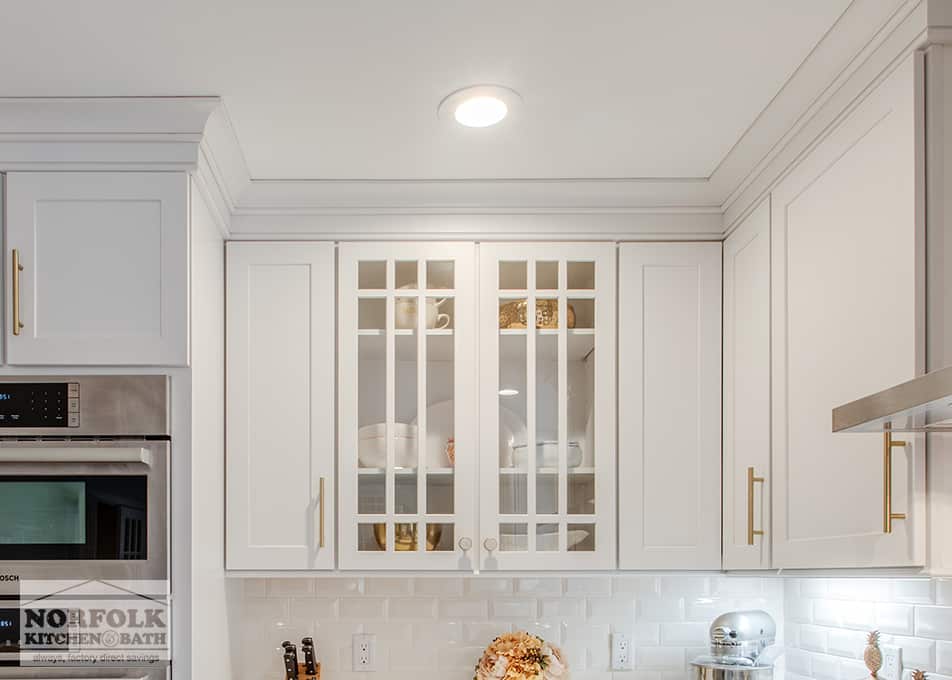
(390, 351)
(421, 404)
(563, 408)
(531, 424)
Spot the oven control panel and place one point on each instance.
(44, 404)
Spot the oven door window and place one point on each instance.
(73, 518)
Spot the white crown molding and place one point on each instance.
(102, 133)
(699, 224)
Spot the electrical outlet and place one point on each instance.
(621, 652)
(364, 649)
(892, 663)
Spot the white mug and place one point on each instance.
(406, 313)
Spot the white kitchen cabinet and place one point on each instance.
(846, 321)
(746, 428)
(407, 399)
(550, 383)
(103, 268)
(669, 406)
(280, 406)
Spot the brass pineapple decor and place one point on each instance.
(918, 675)
(872, 655)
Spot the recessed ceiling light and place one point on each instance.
(508, 392)
(479, 106)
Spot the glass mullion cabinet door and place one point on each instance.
(547, 406)
(407, 404)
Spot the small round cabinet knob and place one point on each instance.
(465, 544)
(490, 544)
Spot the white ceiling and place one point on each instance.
(349, 89)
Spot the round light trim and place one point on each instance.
(479, 106)
(480, 111)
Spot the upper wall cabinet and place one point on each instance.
(407, 385)
(280, 406)
(746, 393)
(846, 321)
(669, 406)
(547, 406)
(97, 268)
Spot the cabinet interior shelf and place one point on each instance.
(511, 472)
(400, 471)
(580, 343)
(373, 344)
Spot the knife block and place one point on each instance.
(304, 676)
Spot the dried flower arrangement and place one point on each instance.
(521, 656)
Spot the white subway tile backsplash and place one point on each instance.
(684, 634)
(444, 622)
(480, 586)
(514, 608)
(660, 609)
(934, 622)
(813, 638)
(912, 590)
(363, 608)
(444, 587)
(943, 588)
(635, 585)
(336, 585)
(894, 618)
(661, 658)
(588, 585)
(943, 654)
(563, 607)
(412, 608)
(472, 608)
(618, 607)
(539, 586)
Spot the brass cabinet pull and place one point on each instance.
(321, 519)
(17, 268)
(751, 480)
(888, 515)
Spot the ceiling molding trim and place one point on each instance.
(659, 225)
(102, 133)
(903, 33)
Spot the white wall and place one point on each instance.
(212, 606)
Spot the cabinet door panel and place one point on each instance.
(407, 405)
(845, 323)
(547, 406)
(105, 268)
(747, 393)
(669, 406)
(280, 405)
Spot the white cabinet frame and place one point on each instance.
(604, 512)
(465, 416)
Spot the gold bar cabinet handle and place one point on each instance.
(751, 480)
(320, 541)
(888, 515)
(17, 268)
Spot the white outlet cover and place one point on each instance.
(892, 663)
(622, 652)
(364, 650)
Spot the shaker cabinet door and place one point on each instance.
(101, 273)
(669, 406)
(747, 477)
(547, 406)
(846, 277)
(280, 406)
(406, 391)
